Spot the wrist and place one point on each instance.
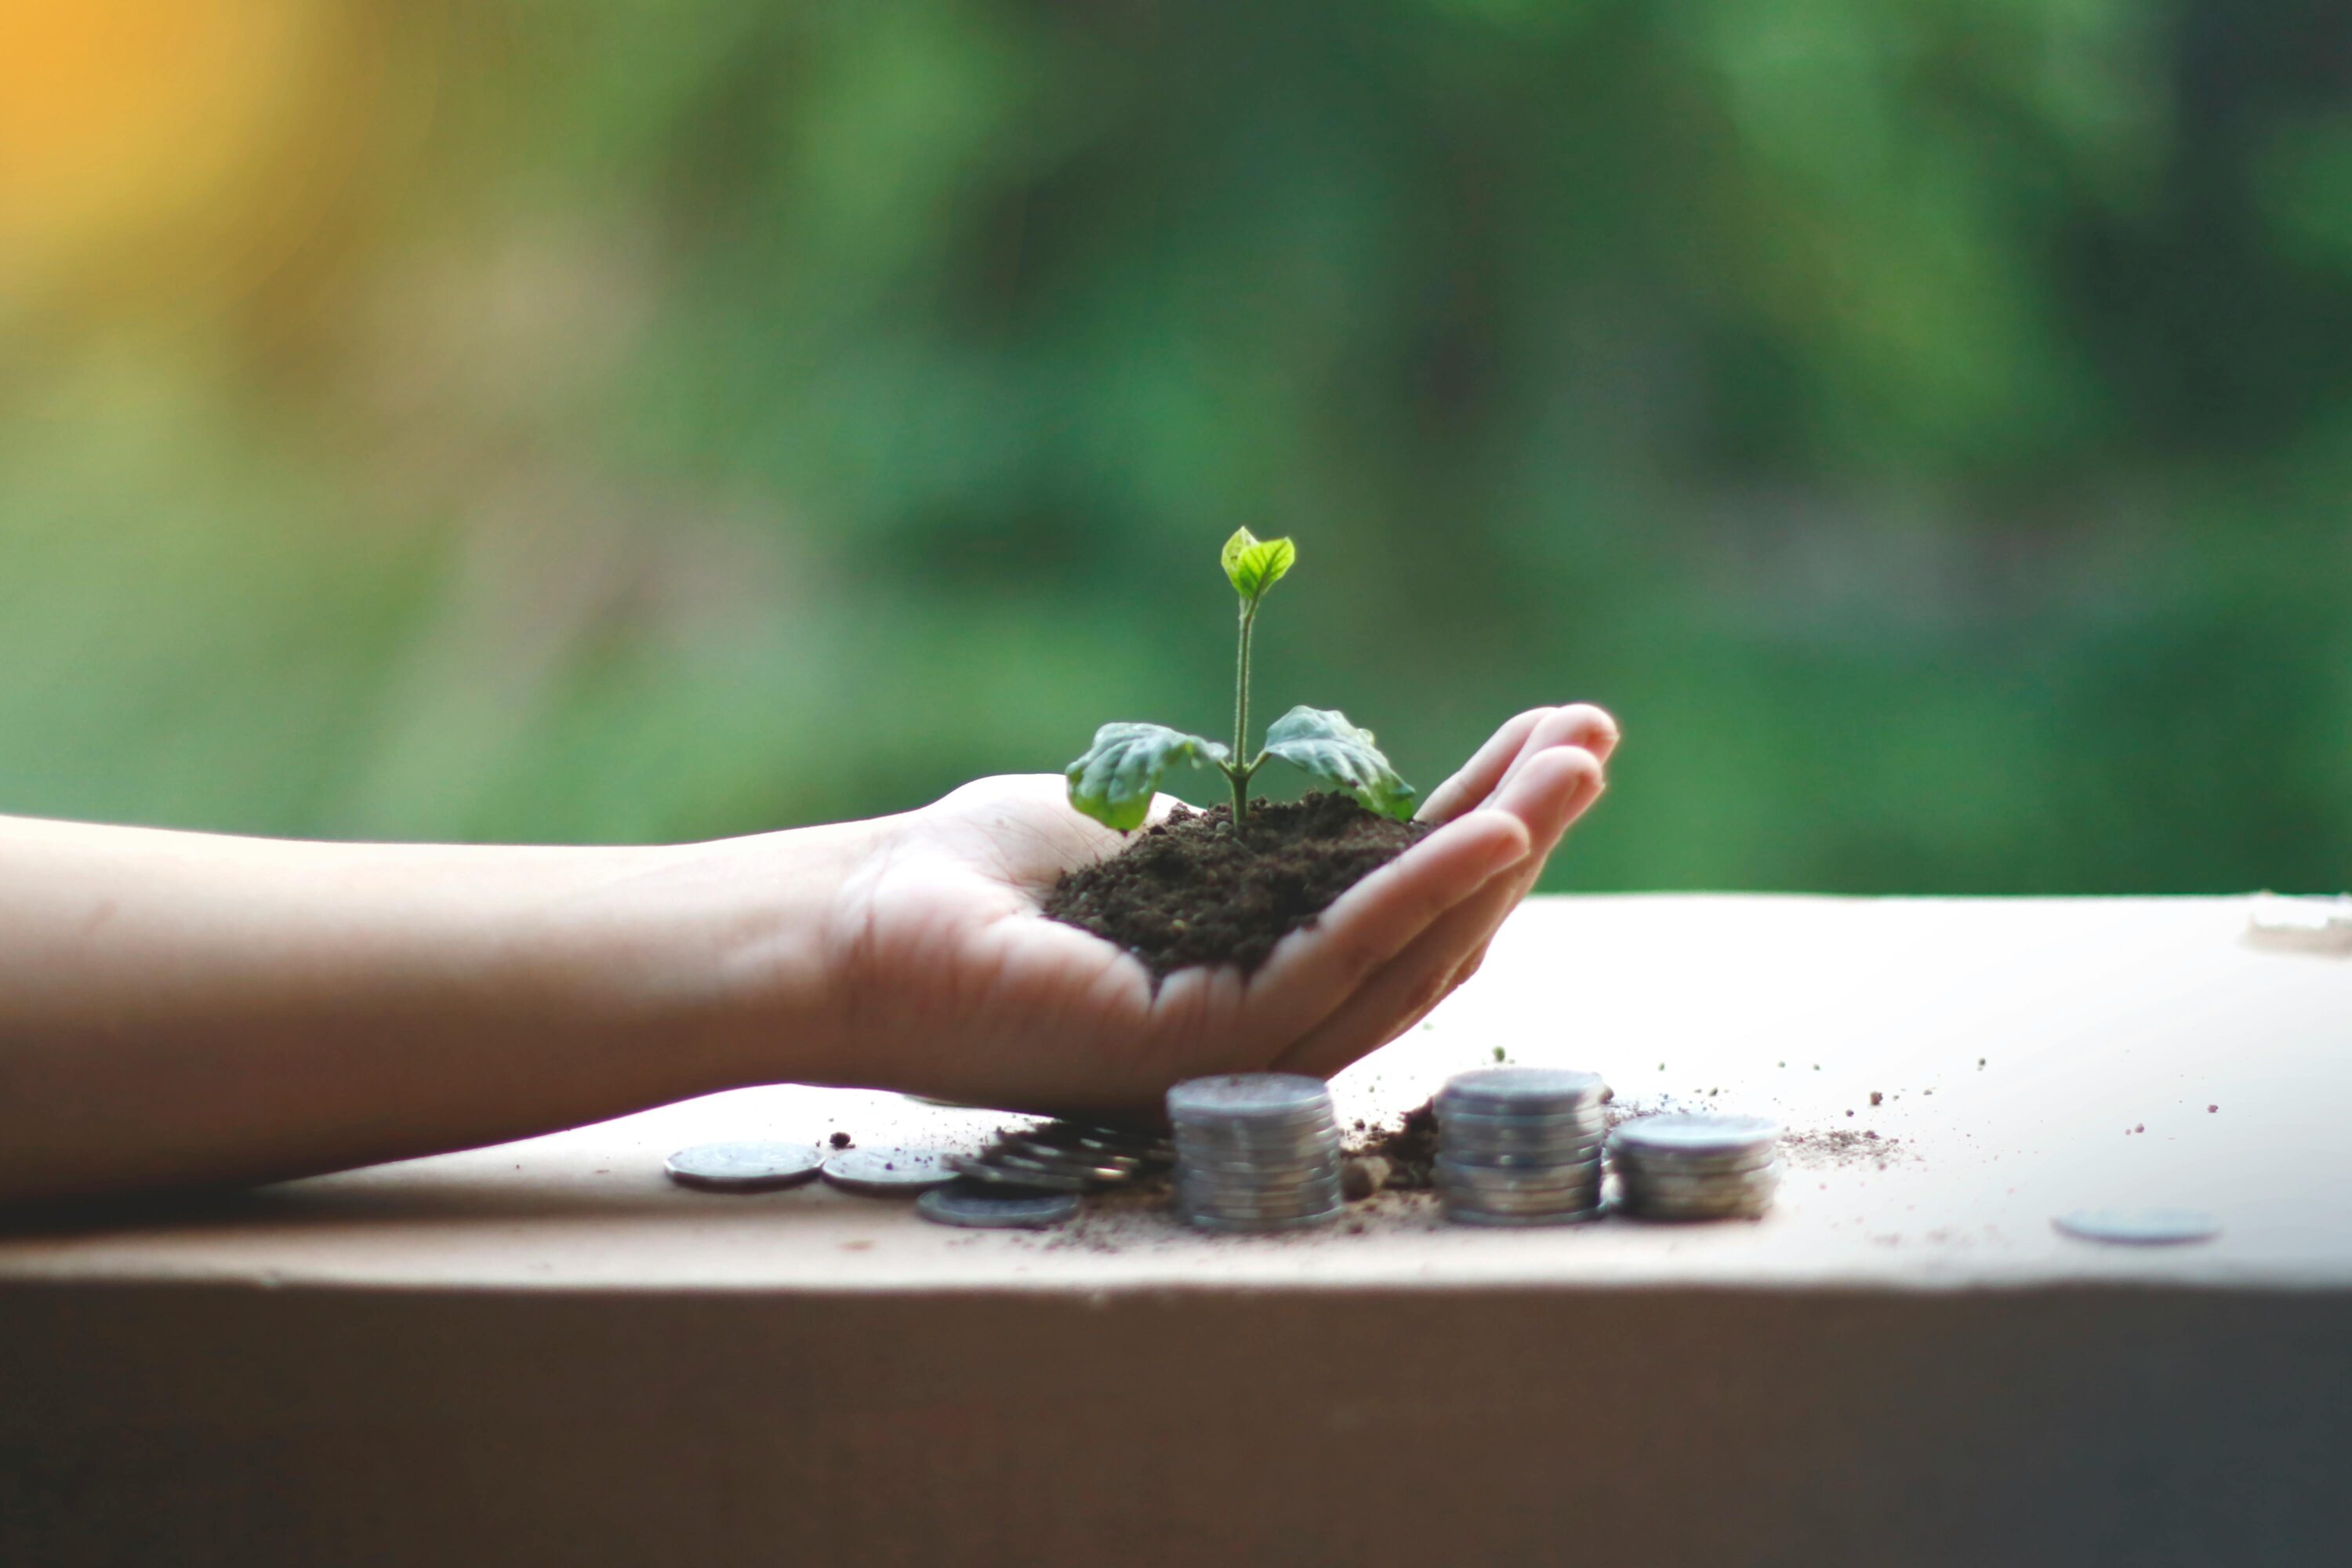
(725, 960)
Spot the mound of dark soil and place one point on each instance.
(1410, 1147)
(1188, 892)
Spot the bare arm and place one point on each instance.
(182, 1009)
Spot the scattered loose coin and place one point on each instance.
(744, 1167)
(1017, 1178)
(977, 1208)
(1067, 1157)
(886, 1173)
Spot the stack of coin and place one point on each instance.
(1520, 1146)
(1255, 1152)
(1698, 1167)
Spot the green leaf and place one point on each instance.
(1114, 781)
(1254, 564)
(1321, 742)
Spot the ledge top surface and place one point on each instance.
(2031, 1057)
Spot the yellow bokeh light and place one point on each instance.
(133, 132)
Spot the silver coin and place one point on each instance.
(1501, 1221)
(1652, 1206)
(1259, 1140)
(1489, 1137)
(1092, 1156)
(744, 1167)
(1469, 1124)
(1518, 1203)
(1513, 1193)
(1586, 1172)
(1693, 1205)
(1522, 1157)
(1317, 1194)
(1521, 1130)
(1591, 1113)
(1010, 1179)
(1086, 1167)
(1245, 1185)
(1700, 1184)
(1521, 1090)
(1259, 1218)
(2140, 1228)
(980, 1209)
(1463, 1214)
(1325, 1138)
(1764, 1159)
(1489, 1170)
(1453, 1191)
(1260, 1226)
(1670, 1180)
(1305, 1165)
(1311, 1195)
(1252, 1097)
(1691, 1136)
(1288, 1159)
(1260, 1176)
(1520, 1197)
(1455, 1133)
(1088, 1136)
(1139, 1152)
(886, 1173)
(1241, 1189)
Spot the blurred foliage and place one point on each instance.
(1924, 424)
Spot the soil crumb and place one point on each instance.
(1409, 1148)
(1187, 892)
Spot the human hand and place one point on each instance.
(192, 1008)
(954, 984)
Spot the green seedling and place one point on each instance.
(1115, 781)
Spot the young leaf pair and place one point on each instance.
(1115, 780)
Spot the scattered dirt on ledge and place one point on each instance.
(1188, 892)
(1844, 1147)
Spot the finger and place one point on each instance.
(1476, 778)
(1580, 725)
(1575, 725)
(1547, 838)
(1535, 730)
(1314, 971)
(1548, 795)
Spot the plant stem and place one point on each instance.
(1240, 771)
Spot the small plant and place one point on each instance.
(1115, 781)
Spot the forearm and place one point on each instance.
(180, 1008)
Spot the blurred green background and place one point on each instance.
(1927, 425)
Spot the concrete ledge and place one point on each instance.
(2061, 1425)
(544, 1351)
